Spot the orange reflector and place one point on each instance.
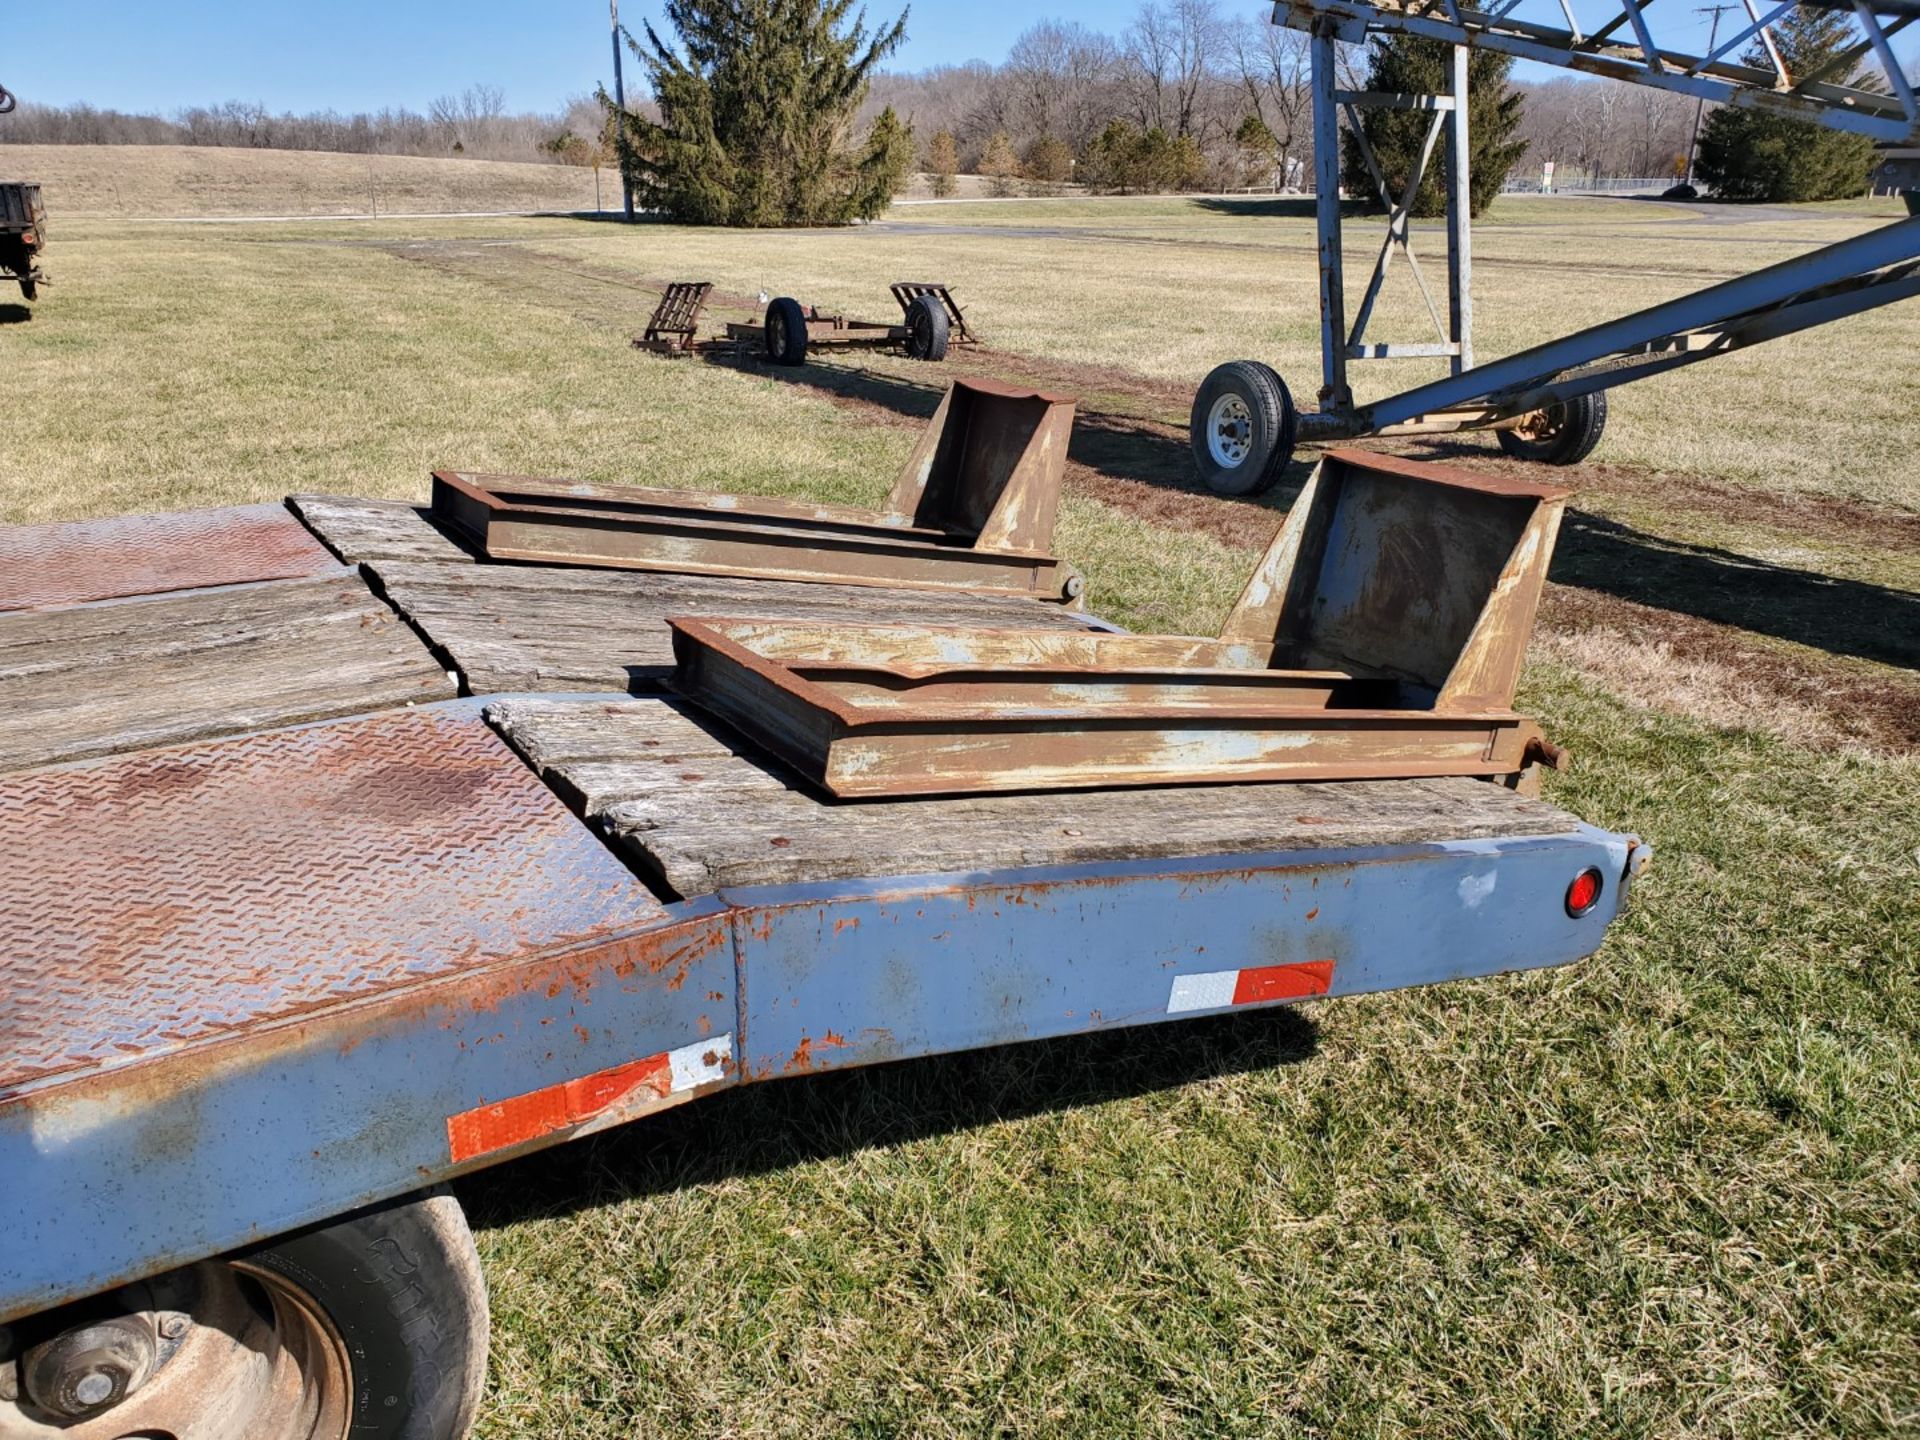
(1283, 982)
(558, 1107)
(1584, 893)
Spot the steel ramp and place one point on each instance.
(70, 562)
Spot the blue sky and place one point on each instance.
(354, 55)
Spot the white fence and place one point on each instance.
(1588, 185)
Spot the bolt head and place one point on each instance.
(174, 1327)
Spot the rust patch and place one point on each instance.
(803, 1058)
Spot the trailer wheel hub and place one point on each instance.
(1229, 431)
(218, 1351)
(92, 1367)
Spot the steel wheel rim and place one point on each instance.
(247, 1354)
(777, 333)
(1229, 431)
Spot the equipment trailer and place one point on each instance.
(342, 864)
(1549, 403)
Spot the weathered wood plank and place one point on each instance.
(533, 627)
(696, 809)
(128, 675)
(358, 530)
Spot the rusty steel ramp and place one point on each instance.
(972, 509)
(1380, 637)
(159, 901)
(71, 562)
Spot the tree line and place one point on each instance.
(1187, 96)
(474, 123)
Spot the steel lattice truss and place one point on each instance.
(1863, 89)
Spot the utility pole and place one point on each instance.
(1700, 105)
(620, 104)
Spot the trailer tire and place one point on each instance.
(401, 1284)
(1242, 428)
(928, 329)
(1562, 434)
(372, 1326)
(786, 332)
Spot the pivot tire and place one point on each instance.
(786, 331)
(1242, 428)
(1562, 434)
(928, 329)
(370, 1327)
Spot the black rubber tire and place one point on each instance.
(786, 329)
(401, 1283)
(1575, 427)
(1271, 425)
(929, 327)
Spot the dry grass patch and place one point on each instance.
(158, 181)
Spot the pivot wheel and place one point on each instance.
(786, 330)
(927, 329)
(1562, 434)
(1242, 428)
(371, 1326)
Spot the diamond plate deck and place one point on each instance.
(175, 896)
(65, 564)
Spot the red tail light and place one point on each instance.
(1584, 893)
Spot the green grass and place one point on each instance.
(1668, 1192)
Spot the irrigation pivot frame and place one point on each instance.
(1548, 403)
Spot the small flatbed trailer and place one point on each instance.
(23, 232)
(931, 322)
(342, 864)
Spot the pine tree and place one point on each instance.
(1049, 161)
(943, 162)
(999, 164)
(756, 116)
(1761, 155)
(1411, 65)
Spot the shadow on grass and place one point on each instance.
(775, 1126)
(1273, 207)
(1842, 617)
(1117, 446)
(14, 314)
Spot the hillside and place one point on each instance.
(186, 180)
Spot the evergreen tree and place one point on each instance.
(1411, 65)
(756, 116)
(1049, 161)
(999, 164)
(1761, 155)
(943, 162)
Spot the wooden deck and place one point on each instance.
(513, 627)
(694, 811)
(688, 805)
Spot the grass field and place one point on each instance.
(158, 181)
(1674, 1191)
